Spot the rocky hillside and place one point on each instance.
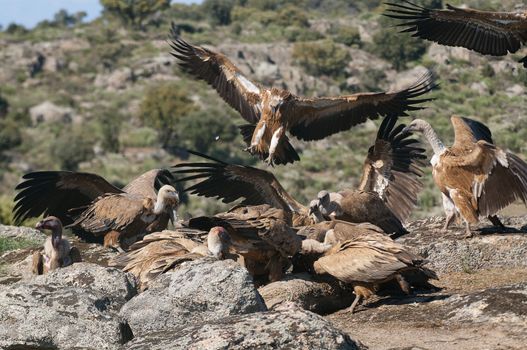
(108, 98)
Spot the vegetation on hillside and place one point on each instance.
(126, 107)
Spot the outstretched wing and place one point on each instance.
(55, 192)
(147, 184)
(468, 131)
(239, 92)
(393, 167)
(317, 118)
(489, 33)
(231, 182)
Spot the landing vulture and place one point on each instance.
(386, 195)
(62, 193)
(271, 112)
(476, 178)
(57, 252)
(365, 262)
(160, 252)
(489, 33)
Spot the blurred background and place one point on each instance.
(89, 85)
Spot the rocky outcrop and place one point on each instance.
(281, 329)
(48, 112)
(196, 292)
(73, 307)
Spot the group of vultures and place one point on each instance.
(351, 234)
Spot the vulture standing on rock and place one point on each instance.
(475, 177)
(57, 251)
(160, 252)
(110, 210)
(386, 196)
(273, 112)
(260, 234)
(489, 33)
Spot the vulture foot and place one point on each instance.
(269, 161)
(449, 219)
(351, 309)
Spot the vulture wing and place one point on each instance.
(217, 70)
(317, 118)
(231, 182)
(149, 183)
(55, 192)
(489, 33)
(392, 168)
(468, 131)
(113, 212)
(359, 261)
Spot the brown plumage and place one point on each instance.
(489, 33)
(273, 112)
(123, 218)
(160, 252)
(365, 262)
(388, 189)
(57, 251)
(476, 178)
(56, 193)
(260, 234)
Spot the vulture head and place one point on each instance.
(51, 223)
(314, 211)
(417, 125)
(167, 201)
(218, 242)
(325, 206)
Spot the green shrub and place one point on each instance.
(322, 57)
(218, 11)
(346, 35)
(10, 135)
(72, 147)
(133, 12)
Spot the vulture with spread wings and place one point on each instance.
(489, 33)
(96, 210)
(272, 112)
(475, 177)
(390, 181)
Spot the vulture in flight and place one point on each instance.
(489, 33)
(367, 261)
(271, 112)
(57, 252)
(96, 210)
(386, 195)
(476, 178)
(160, 252)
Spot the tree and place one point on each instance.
(219, 11)
(321, 57)
(72, 147)
(133, 12)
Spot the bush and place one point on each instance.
(72, 147)
(10, 135)
(346, 35)
(323, 57)
(133, 12)
(219, 11)
(162, 109)
(110, 126)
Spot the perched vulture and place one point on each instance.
(57, 251)
(389, 186)
(271, 113)
(160, 252)
(122, 218)
(476, 178)
(260, 234)
(489, 33)
(62, 193)
(365, 262)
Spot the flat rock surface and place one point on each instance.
(292, 328)
(197, 291)
(73, 307)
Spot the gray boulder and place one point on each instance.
(73, 307)
(48, 112)
(198, 291)
(292, 328)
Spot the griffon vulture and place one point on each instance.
(66, 194)
(57, 252)
(386, 196)
(476, 178)
(260, 234)
(160, 252)
(489, 33)
(366, 262)
(273, 112)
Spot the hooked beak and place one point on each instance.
(39, 226)
(407, 129)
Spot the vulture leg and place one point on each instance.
(468, 232)
(274, 143)
(450, 210)
(351, 309)
(37, 266)
(111, 240)
(405, 286)
(450, 217)
(257, 137)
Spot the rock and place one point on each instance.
(196, 292)
(408, 78)
(117, 80)
(480, 87)
(320, 296)
(281, 329)
(515, 90)
(48, 112)
(22, 232)
(72, 307)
